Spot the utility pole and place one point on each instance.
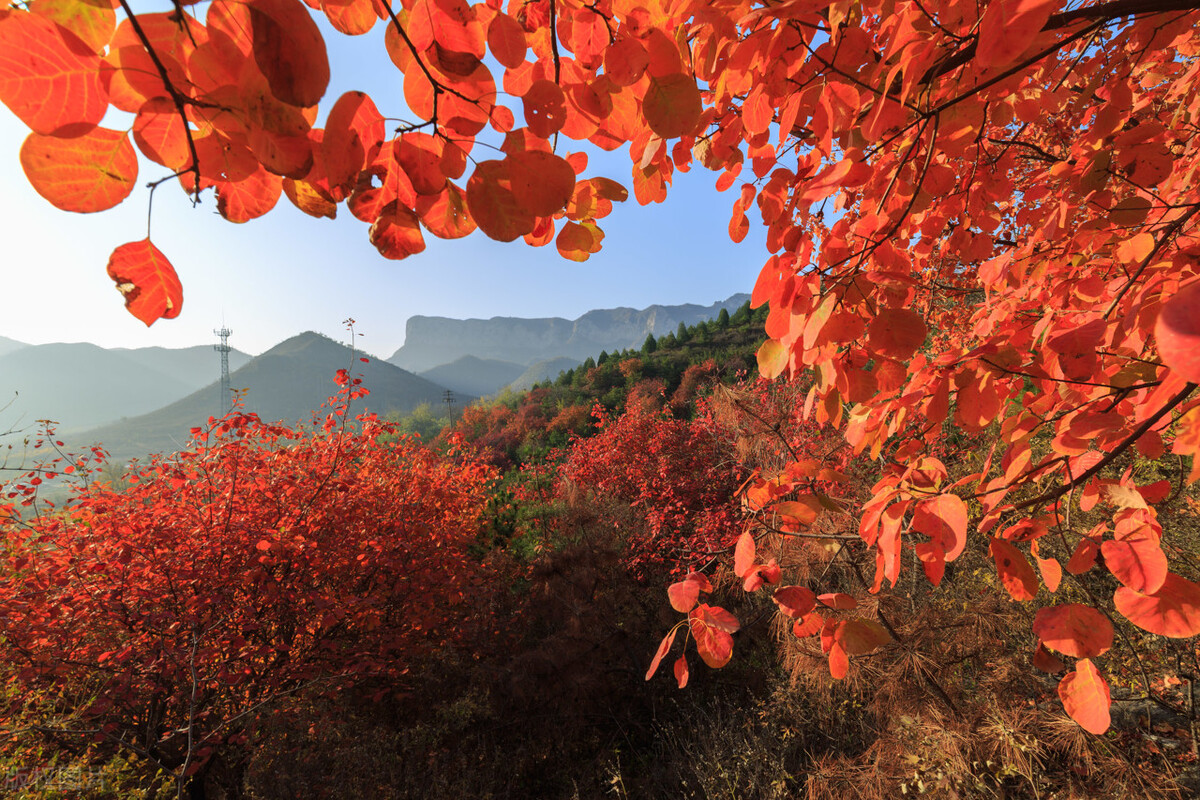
(226, 385)
(448, 399)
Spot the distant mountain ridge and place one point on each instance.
(288, 382)
(80, 385)
(433, 341)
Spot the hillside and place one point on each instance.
(9, 345)
(432, 341)
(82, 385)
(474, 376)
(288, 382)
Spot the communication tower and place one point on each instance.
(226, 385)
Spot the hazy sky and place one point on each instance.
(285, 273)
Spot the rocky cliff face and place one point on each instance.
(433, 341)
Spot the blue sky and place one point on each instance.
(284, 273)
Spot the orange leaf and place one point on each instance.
(49, 77)
(541, 182)
(289, 51)
(1074, 630)
(896, 332)
(681, 671)
(1015, 573)
(772, 359)
(493, 205)
(663, 648)
(92, 172)
(445, 214)
(1084, 556)
(1137, 560)
(1086, 698)
(838, 600)
(578, 240)
(862, 636)
(506, 40)
(1008, 28)
(1174, 610)
(420, 156)
(93, 21)
(396, 234)
(808, 625)
(683, 595)
(711, 628)
(249, 198)
(159, 133)
(1136, 248)
(672, 105)
(1178, 332)
(354, 127)
(944, 520)
(1046, 661)
(743, 555)
(795, 601)
(147, 280)
(545, 108)
(625, 61)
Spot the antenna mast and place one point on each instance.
(226, 385)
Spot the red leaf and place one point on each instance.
(862, 636)
(896, 333)
(1086, 698)
(289, 51)
(93, 172)
(681, 671)
(545, 108)
(1074, 630)
(397, 234)
(1174, 610)
(541, 182)
(493, 205)
(1137, 560)
(1084, 556)
(839, 601)
(147, 280)
(808, 625)
(49, 77)
(1015, 573)
(711, 628)
(944, 520)
(743, 555)
(684, 595)
(1177, 332)
(506, 40)
(1008, 28)
(1046, 661)
(663, 648)
(672, 105)
(795, 601)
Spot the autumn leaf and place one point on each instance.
(1173, 610)
(672, 105)
(49, 77)
(711, 627)
(92, 172)
(1178, 332)
(664, 647)
(147, 281)
(1008, 28)
(1085, 696)
(1014, 570)
(1074, 630)
(289, 50)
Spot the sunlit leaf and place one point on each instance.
(88, 173)
(147, 281)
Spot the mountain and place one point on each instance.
(547, 369)
(195, 366)
(288, 382)
(9, 345)
(474, 376)
(81, 385)
(432, 341)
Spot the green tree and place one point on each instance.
(650, 345)
(723, 319)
